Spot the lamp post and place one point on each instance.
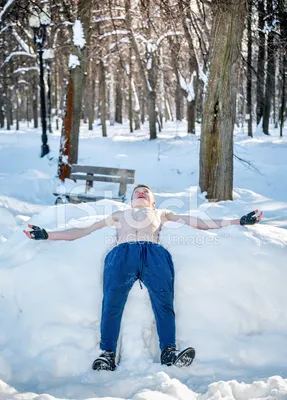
(47, 56)
(39, 22)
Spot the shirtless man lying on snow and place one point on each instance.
(138, 255)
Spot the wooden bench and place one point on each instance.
(90, 174)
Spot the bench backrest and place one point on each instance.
(103, 174)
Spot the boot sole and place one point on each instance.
(185, 358)
(102, 365)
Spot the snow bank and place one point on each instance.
(230, 296)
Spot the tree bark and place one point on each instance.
(119, 103)
(130, 91)
(269, 88)
(178, 103)
(102, 89)
(112, 96)
(70, 131)
(249, 68)
(260, 62)
(216, 145)
(282, 12)
(152, 114)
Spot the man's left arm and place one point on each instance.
(194, 222)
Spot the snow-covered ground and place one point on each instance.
(230, 290)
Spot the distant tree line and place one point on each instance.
(218, 62)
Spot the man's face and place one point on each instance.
(143, 197)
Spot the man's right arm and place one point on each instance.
(73, 233)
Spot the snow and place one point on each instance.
(78, 34)
(230, 290)
(115, 32)
(149, 63)
(48, 54)
(25, 69)
(34, 21)
(202, 75)
(187, 87)
(6, 6)
(136, 102)
(44, 15)
(73, 61)
(24, 46)
(18, 53)
(104, 19)
(169, 33)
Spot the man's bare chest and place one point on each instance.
(143, 218)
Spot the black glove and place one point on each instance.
(248, 219)
(38, 233)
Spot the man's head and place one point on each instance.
(142, 196)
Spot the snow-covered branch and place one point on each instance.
(187, 87)
(116, 32)
(4, 29)
(17, 53)
(169, 33)
(122, 18)
(25, 69)
(6, 9)
(24, 45)
(122, 40)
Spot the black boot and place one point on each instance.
(105, 362)
(171, 356)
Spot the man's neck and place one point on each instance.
(141, 206)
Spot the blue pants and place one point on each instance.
(151, 264)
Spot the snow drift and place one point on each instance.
(230, 304)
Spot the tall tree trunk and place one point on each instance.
(143, 103)
(186, 16)
(17, 110)
(152, 114)
(112, 96)
(56, 97)
(260, 62)
(71, 126)
(2, 120)
(216, 145)
(130, 91)
(249, 68)
(102, 89)
(91, 89)
(282, 12)
(136, 107)
(269, 88)
(191, 115)
(178, 103)
(119, 102)
(283, 94)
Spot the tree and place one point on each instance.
(77, 64)
(216, 145)
(269, 85)
(249, 68)
(260, 61)
(282, 11)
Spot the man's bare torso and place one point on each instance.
(139, 224)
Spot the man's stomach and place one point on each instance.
(138, 237)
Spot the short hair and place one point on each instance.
(138, 186)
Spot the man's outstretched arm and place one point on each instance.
(71, 234)
(248, 219)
